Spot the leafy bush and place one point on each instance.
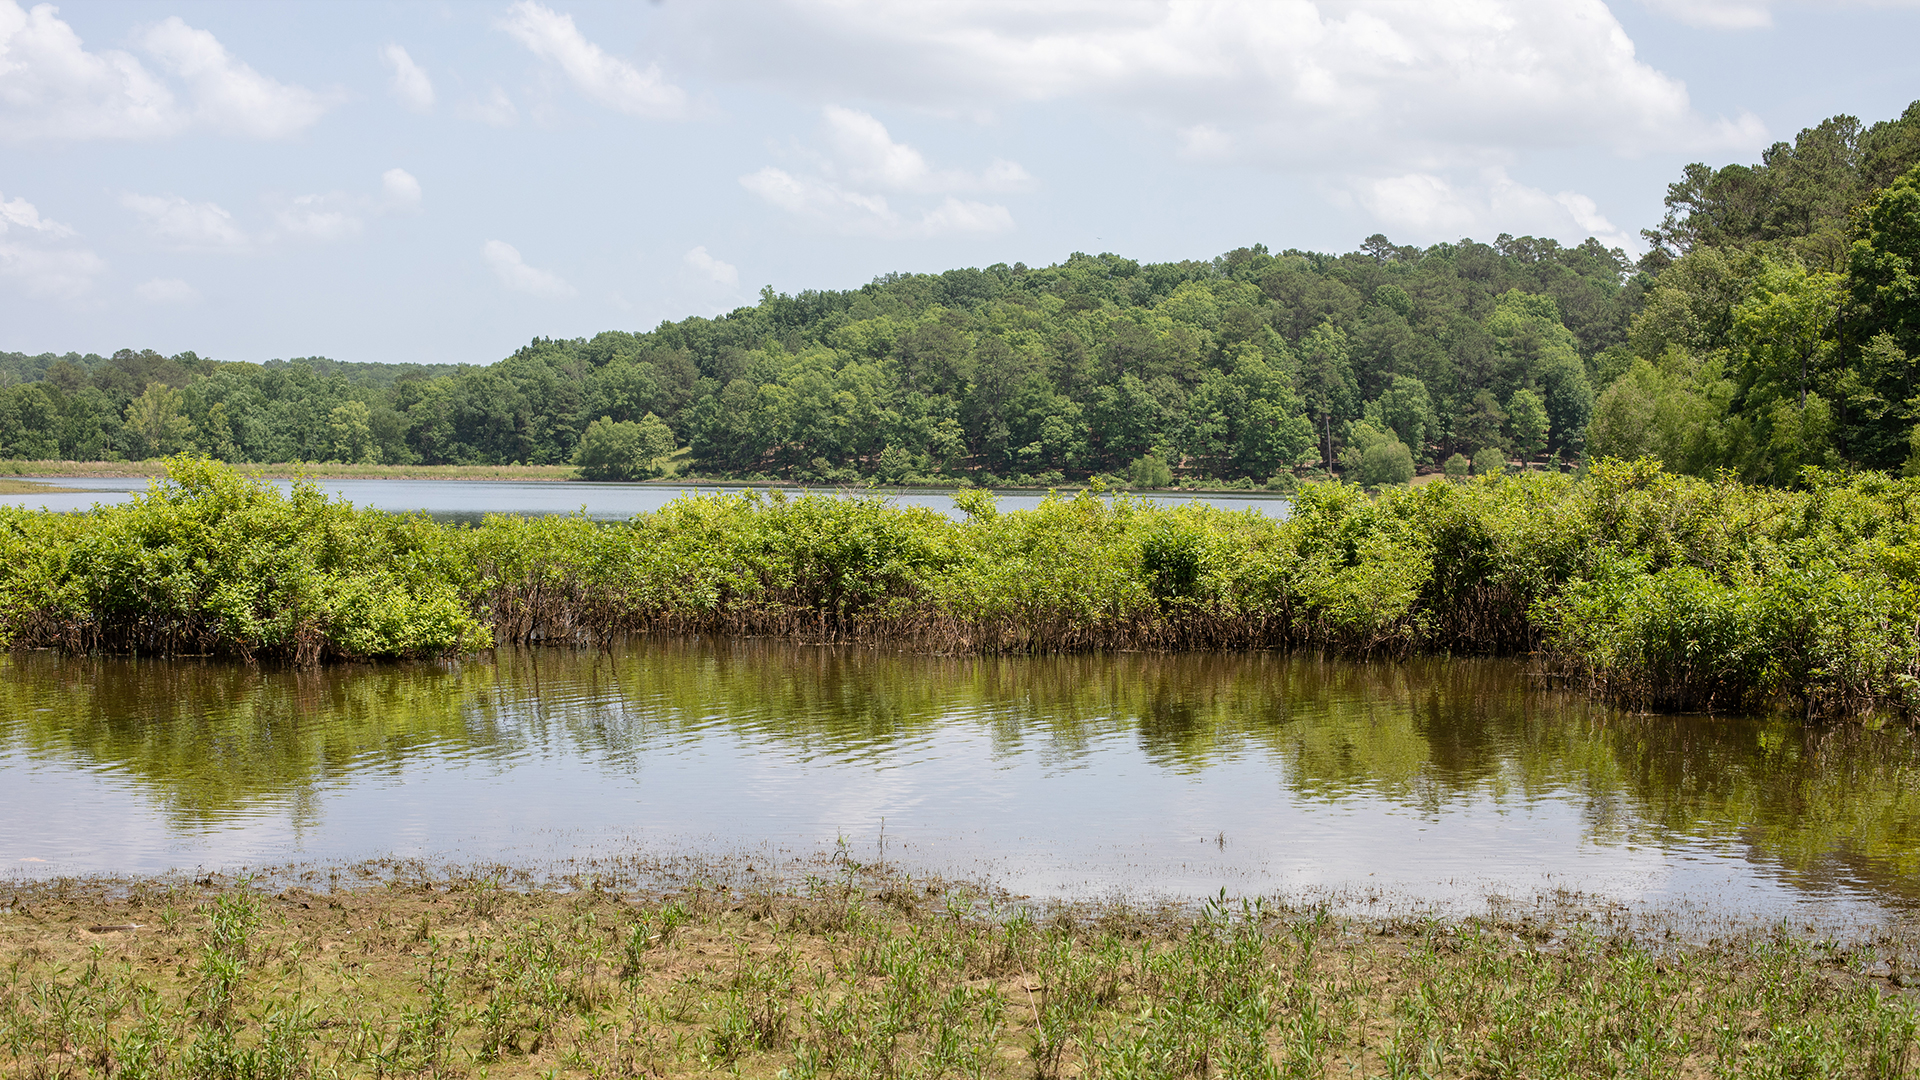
(210, 561)
(1662, 590)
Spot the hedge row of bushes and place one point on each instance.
(1663, 591)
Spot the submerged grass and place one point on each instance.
(864, 975)
(1663, 591)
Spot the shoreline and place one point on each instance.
(853, 970)
(41, 473)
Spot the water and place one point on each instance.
(1429, 784)
(467, 500)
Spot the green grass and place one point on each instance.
(865, 975)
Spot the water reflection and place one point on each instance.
(467, 501)
(1169, 772)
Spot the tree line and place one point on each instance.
(1772, 325)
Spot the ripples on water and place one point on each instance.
(1434, 783)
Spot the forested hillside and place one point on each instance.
(1773, 325)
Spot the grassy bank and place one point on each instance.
(319, 470)
(1663, 591)
(29, 487)
(867, 976)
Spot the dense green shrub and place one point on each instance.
(210, 561)
(1662, 590)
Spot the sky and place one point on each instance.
(441, 183)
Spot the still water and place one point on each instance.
(1439, 784)
(467, 500)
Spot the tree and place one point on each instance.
(352, 434)
(1406, 410)
(1386, 462)
(1527, 420)
(1150, 471)
(1375, 457)
(1326, 376)
(624, 449)
(1458, 467)
(1489, 461)
(29, 423)
(154, 423)
(1672, 412)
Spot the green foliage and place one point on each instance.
(1386, 462)
(624, 450)
(1457, 467)
(209, 561)
(1489, 461)
(1527, 420)
(1236, 368)
(1775, 314)
(1150, 471)
(1664, 589)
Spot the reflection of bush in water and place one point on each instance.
(209, 736)
(212, 736)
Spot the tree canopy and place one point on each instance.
(1773, 325)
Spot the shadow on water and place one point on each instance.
(1264, 742)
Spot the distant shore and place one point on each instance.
(41, 470)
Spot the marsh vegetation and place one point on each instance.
(1658, 590)
(855, 972)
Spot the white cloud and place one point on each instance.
(1377, 86)
(318, 217)
(228, 95)
(1432, 208)
(1752, 14)
(41, 265)
(402, 190)
(605, 79)
(495, 110)
(1425, 203)
(187, 225)
(515, 274)
(1716, 14)
(51, 87)
(410, 84)
(18, 213)
(869, 155)
(862, 156)
(862, 214)
(722, 273)
(166, 291)
(55, 273)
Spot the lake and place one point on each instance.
(1428, 785)
(467, 500)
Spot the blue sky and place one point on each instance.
(441, 182)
